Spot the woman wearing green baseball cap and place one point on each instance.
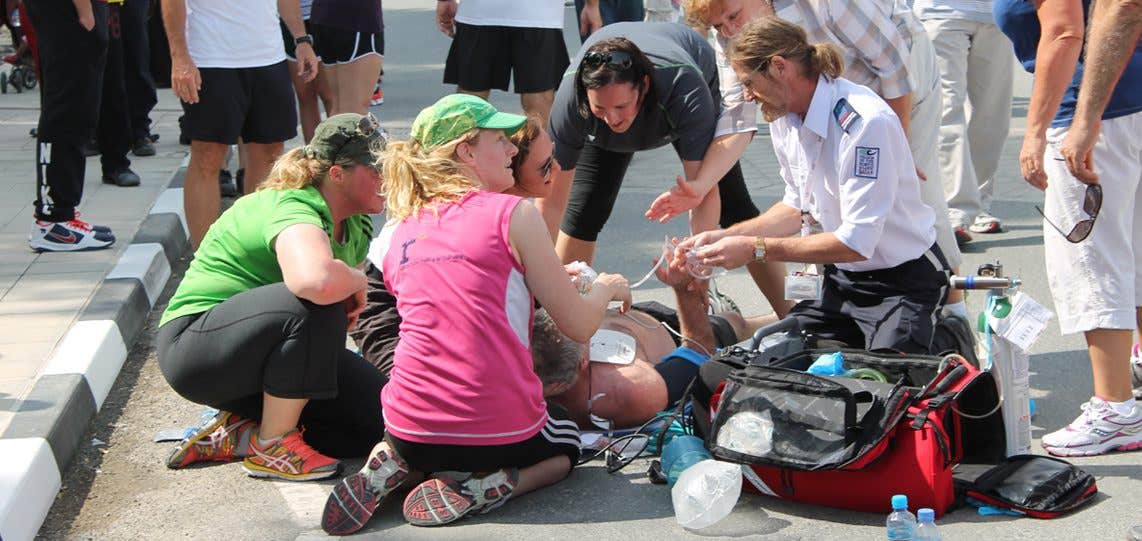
(257, 326)
(464, 263)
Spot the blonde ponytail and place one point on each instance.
(416, 178)
(764, 38)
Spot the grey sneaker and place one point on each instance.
(355, 499)
(440, 500)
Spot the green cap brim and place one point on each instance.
(504, 121)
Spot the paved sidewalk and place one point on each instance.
(41, 295)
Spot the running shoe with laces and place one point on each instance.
(222, 438)
(354, 499)
(73, 236)
(288, 458)
(442, 500)
(986, 223)
(1099, 429)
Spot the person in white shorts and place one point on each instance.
(1092, 235)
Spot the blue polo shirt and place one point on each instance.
(1017, 19)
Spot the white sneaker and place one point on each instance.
(72, 236)
(986, 223)
(1099, 429)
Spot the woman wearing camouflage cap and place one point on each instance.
(257, 327)
(464, 264)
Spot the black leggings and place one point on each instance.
(268, 340)
(599, 175)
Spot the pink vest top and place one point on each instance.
(462, 371)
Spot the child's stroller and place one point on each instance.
(22, 73)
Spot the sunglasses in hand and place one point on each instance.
(1092, 203)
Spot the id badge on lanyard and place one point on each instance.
(804, 284)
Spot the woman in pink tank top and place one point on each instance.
(464, 264)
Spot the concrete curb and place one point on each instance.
(46, 431)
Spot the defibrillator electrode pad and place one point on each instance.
(612, 347)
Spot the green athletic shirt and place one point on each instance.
(238, 252)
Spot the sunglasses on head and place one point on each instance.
(1092, 203)
(616, 60)
(366, 127)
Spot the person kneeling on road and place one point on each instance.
(257, 327)
(464, 264)
(847, 169)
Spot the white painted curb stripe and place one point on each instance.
(171, 201)
(29, 482)
(94, 349)
(147, 263)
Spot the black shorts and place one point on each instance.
(893, 309)
(287, 40)
(486, 57)
(724, 334)
(256, 104)
(559, 436)
(599, 174)
(339, 46)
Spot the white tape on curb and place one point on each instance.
(171, 201)
(147, 263)
(29, 482)
(94, 349)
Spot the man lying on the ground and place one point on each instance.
(653, 378)
(649, 367)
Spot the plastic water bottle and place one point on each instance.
(927, 530)
(705, 493)
(681, 453)
(901, 524)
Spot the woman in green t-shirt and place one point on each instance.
(257, 326)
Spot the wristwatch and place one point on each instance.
(303, 39)
(759, 249)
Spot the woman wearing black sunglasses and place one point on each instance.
(639, 86)
(257, 327)
(1092, 233)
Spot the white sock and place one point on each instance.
(1125, 408)
(956, 309)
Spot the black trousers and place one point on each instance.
(114, 131)
(268, 340)
(71, 60)
(892, 308)
(134, 19)
(599, 174)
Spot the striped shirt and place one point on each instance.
(874, 35)
(970, 10)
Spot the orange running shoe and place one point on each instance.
(289, 458)
(223, 438)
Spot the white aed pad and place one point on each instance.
(803, 287)
(612, 347)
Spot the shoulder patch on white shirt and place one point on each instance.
(867, 162)
(845, 114)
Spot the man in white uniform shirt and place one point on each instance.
(851, 191)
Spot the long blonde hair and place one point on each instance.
(767, 37)
(296, 169)
(416, 177)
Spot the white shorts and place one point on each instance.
(1097, 283)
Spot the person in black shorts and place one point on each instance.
(496, 41)
(639, 86)
(349, 38)
(230, 88)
